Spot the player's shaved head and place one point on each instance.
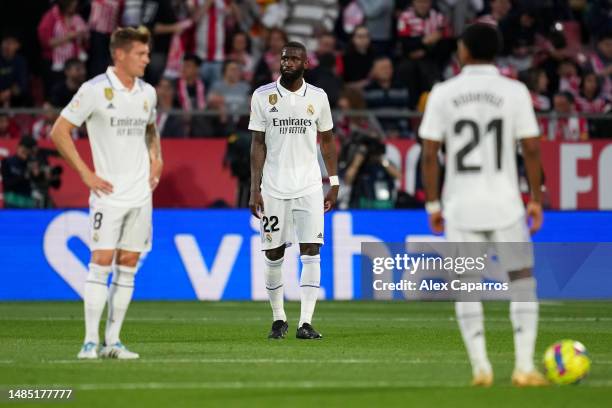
(295, 45)
(482, 41)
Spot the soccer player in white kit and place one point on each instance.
(119, 110)
(286, 187)
(480, 116)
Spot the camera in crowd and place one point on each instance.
(39, 173)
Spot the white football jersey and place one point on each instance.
(480, 115)
(290, 121)
(116, 120)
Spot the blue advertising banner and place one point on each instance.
(215, 254)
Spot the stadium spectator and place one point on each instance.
(384, 92)
(74, 74)
(378, 18)
(460, 12)
(520, 58)
(191, 91)
(164, 24)
(600, 62)
(240, 51)
(569, 80)
(17, 175)
(41, 128)
(104, 18)
(211, 18)
(234, 90)
(63, 35)
(268, 67)
(520, 28)
(499, 11)
(219, 124)
(324, 76)
(308, 19)
(13, 73)
(568, 127)
(191, 94)
(591, 100)
(168, 125)
(326, 44)
(350, 99)
(425, 37)
(8, 127)
(358, 58)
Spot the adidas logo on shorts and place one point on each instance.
(320, 236)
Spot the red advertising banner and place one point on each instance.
(578, 175)
(194, 174)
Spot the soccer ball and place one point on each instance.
(566, 362)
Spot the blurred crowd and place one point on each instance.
(209, 55)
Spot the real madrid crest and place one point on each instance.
(268, 237)
(273, 98)
(96, 237)
(146, 106)
(108, 93)
(310, 110)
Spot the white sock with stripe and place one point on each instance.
(273, 276)
(310, 282)
(524, 317)
(119, 298)
(94, 300)
(470, 317)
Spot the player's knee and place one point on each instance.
(124, 275)
(520, 274)
(102, 257)
(309, 249)
(276, 253)
(128, 258)
(99, 273)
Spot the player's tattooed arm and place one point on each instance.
(61, 134)
(152, 140)
(533, 167)
(330, 157)
(430, 170)
(258, 157)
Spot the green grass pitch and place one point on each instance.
(374, 354)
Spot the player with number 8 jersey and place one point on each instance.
(119, 111)
(286, 187)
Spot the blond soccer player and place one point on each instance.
(118, 109)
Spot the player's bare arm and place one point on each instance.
(61, 136)
(430, 169)
(258, 157)
(330, 157)
(533, 168)
(154, 146)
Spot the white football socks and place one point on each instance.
(119, 297)
(524, 317)
(95, 299)
(273, 276)
(470, 317)
(309, 286)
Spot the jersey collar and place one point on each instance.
(480, 69)
(117, 85)
(284, 91)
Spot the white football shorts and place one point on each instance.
(512, 244)
(284, 220)
(129, 229)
